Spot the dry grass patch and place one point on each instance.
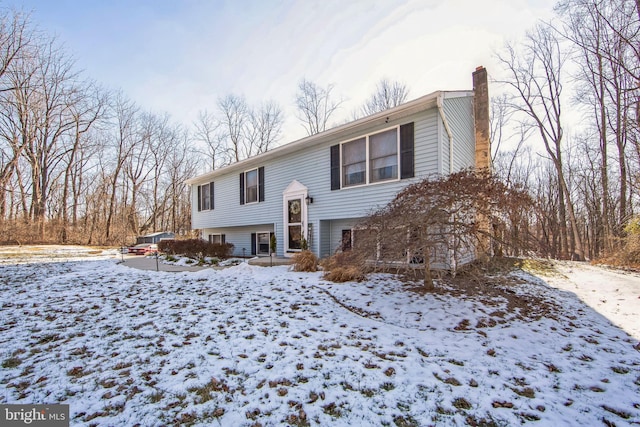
(305, 261)
(11, 362)
(342, 267)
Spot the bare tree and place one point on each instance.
(315, 106)
(234, 119)
(535, 77)
(120, 144)
(180, 165)
(208, 131)
(388, 94)
(608, 63)
(16, 37)
(50, 110)
(243, 131)
(265, 128)
(15, 46)
(87, 107)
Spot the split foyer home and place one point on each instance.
(319, 187)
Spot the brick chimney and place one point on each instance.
(481, 118)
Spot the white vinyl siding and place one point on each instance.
(240, 237)
(459, 112)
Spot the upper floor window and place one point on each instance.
(377, 157)
(252, 186)
(383, 156)
(251, 191)
(354, 162)
(205, 197)
(370, 159)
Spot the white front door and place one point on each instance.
(294, 224)
(295, 217)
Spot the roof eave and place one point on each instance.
(420, 104)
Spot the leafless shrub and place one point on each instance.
(443, 223)
(305, 261)
(343, 267)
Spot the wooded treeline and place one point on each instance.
(79, 163)
(82, 164)
(582, 68)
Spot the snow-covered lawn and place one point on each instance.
(266, 346)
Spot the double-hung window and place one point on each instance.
(217, 238)
(378, 157)
(251, 192)
(383, 156)
(370, 159)
(252, 186)
(354, 162)
(205, 197)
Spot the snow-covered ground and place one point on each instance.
(613, 293)
(265, 346)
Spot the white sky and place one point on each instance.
(181, 56)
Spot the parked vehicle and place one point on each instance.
(144, 249)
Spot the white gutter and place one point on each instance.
(439, 101)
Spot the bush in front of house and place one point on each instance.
(305, 261)
(343, 267)
(196, 248)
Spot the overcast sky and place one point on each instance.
(180, 56)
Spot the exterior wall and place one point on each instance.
(332, 231)
(459, 112)
(239, 236)
(330, 210)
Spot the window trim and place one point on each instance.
(246, 187)
(201, 194)
(258, 233)
(367, 170)
(222, 238)
(259, 186)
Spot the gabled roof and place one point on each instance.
(408, 108)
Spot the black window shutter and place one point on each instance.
(253, 244)
(406, 151)
(211, 195)
(335, 167)
(223, 239)
(261, 184)
(242, 188)
(199, 198)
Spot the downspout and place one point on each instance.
(439, 101)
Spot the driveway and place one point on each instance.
(614, 294)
